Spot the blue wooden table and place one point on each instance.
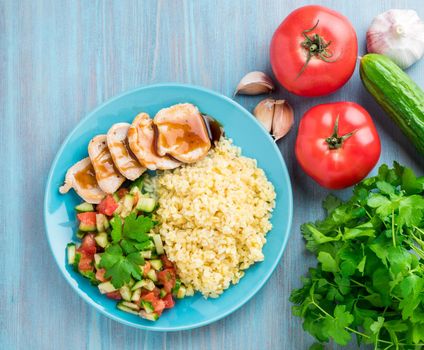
(59, 60)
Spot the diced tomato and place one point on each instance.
(88, 218)
(88, 244)
(100, 275)
(114, 295)
(158, 304)
(169, 301)
(168, 278)
(107, 206)
(86, 261)
(147, 268)
(166, 262)
(122, 192)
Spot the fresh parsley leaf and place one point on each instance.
(137, 228)
(330, 203)
(116, 232)
(120, 268)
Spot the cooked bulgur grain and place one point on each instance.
(213, 216)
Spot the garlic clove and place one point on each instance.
(398, 34)
(282, 120)
(264, 112)
(255, 83)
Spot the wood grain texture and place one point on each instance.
(58, 60)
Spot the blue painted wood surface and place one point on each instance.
(60, 59)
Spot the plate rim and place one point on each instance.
(252, 291)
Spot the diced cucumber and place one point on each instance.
(71, 249)
(76, 261)
(189, 291)
(106, 287)
(84, 207)
(146, 284)
(137, 183)
(100, 222)
(86, 227)
(181, 292)
(177, 287)
(152, 275)
(131, 282)
(124, 308)
(127, 205)
(151, 317)
(146, 254)
(102, 239)
(156, 264)
(158, 244)
(97, 258)
(162, 293)
(136, 295)
(146, 245)
(130, 305)
(91, 276)
(80, 234)
(116, 197)
(146, 204)
(147, 305)
(135, 191)
(125, 292)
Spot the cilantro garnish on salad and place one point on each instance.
(369, 278)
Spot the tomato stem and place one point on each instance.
(335, 141)
(315, 46)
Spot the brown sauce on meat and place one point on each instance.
(86, 177)
(126, 152)
(184, 135)
(215, 129)
(105, 165)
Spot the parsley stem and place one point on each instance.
(393, 228)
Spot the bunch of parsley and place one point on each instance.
(369, 279)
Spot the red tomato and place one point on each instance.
(122, 192)
(100, 275)
(299, 65)
(114, 295)
(88, 244)
(158, 304)
(107, 206)
(169, 301)
(166, 262)
(147, 267)
(168, 278)
(86, 261)
(88, 218)
(337, 144)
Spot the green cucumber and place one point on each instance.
(146, 204)
(158, 244)
(156, 264)
(152, 275)
(125, 293)
(71, 253)
(84, 207)
(106, 287)
(147, 305)
(400, 97)
(151, 317)
(102, 239)
(124, 308)
(87, 227)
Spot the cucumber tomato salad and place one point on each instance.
(121, 255)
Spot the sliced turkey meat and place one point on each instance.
(182, 133)
(108, 178)
(141, 138)
(125, 161)
(82, 178)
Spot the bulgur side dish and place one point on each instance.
(213, 217)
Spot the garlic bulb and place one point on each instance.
(276, 116)
(255, 83)
(398, 34)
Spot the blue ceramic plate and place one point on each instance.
(242, 127)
